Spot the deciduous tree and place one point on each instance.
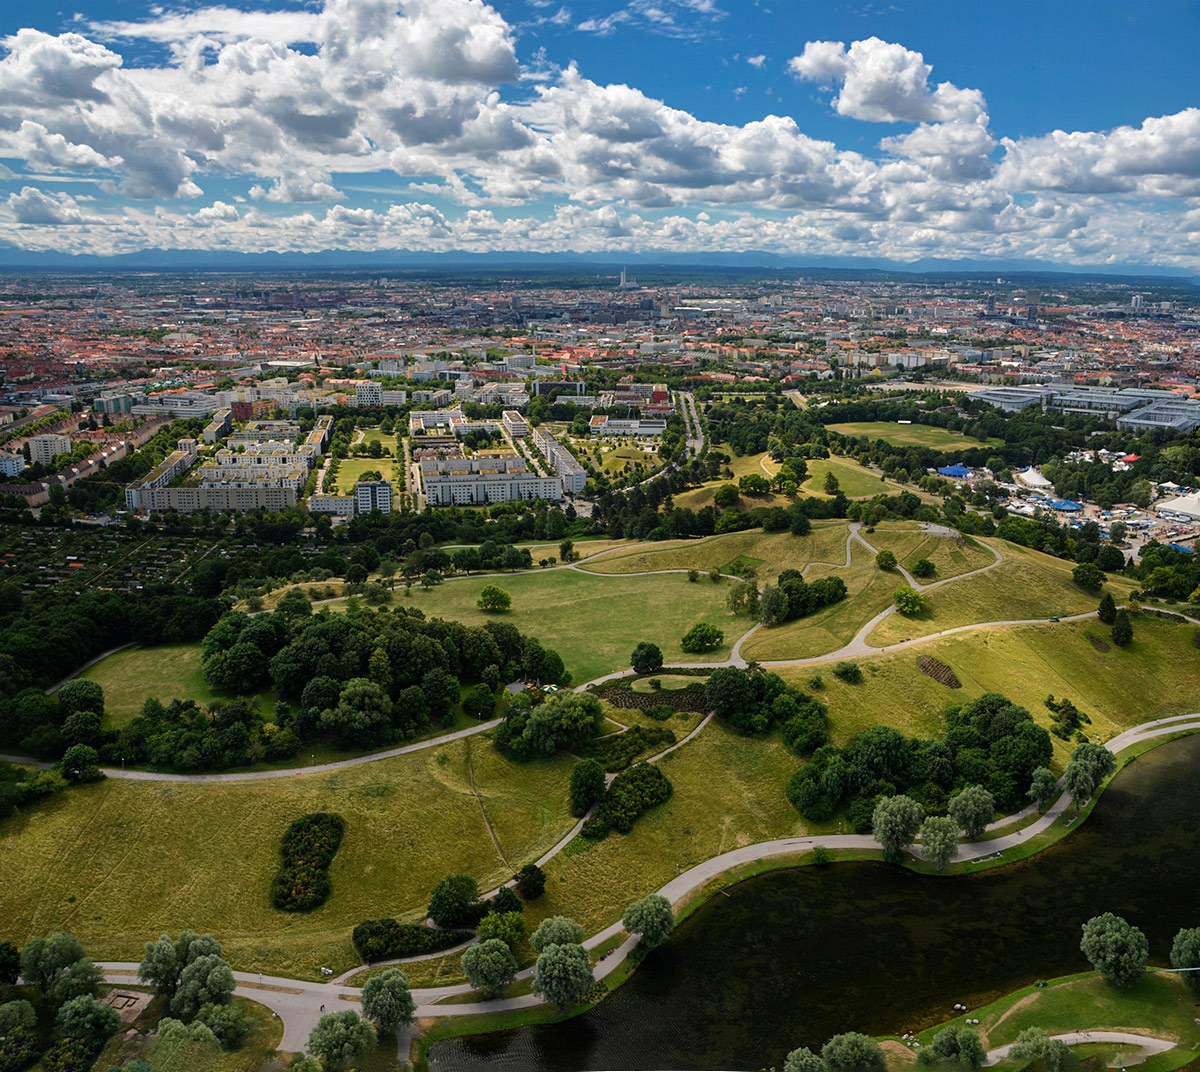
(896, 821)
(1185, 953)
(972, 808)
(556, 930)
(387, 1001)
(1115, 948)
(853, 1052)
(340, 1037)
(489, 965)
(939, 840)
(563, 974)
(651, 917)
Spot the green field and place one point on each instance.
(777, 551)
(350, 471)
(593, 622)
(950, 555)
(1026, 585)
(757, 464)
(131, 677)
(913, 435)
(855, 481)
(119, 862)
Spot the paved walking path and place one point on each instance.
(1146, 1045)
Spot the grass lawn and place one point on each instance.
(855, 481)
(1158, 1005)
(758, 464)
(593, 622)
(172, 671)
(177, 1056)
(913, 435)
(728, 791)
(119, 862)
(1027, 584)
(669, 683)
(350, 472)
(777, 551)
(1157, 675)
(869, 590)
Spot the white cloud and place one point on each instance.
(756, 61)
(31, 206)
(883, 82)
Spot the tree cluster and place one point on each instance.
(632, 793)
(566, 721)
(752, 701)
(309, 845)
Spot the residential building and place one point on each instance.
(373, 495)
(574, 479)
(12, 464)
(479, 481)
(44, 448)
(368, 394)
(514, 424)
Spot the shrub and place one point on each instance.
(923, 568)
(531, 882)
(308, 848)
(702, 637)
(385, 939)
(632, 792)
(850, 673)
(885, 560)
(620, 751)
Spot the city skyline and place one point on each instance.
(685, 126)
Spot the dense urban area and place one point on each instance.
(378, 550)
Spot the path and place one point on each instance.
(300, 1002)
(1147, 1045)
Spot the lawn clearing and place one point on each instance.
(855, 482)
(593, 622)
(131, 677)
(669, 683)
(1024, 586)
(777, 551)
(914, 435)
(728, 791)
(350, 471)
(119, 862)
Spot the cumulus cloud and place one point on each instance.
(32, 206)
(882, 82)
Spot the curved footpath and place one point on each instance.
(1146, 1045)
(300, 1003)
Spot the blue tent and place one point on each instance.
(954, 472)
(1064, 505)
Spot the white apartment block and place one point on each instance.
(222, 499)
(482, 481)
(574, 479)
(368, 394)
(338, 505)
(12, 464)
(602, 425)
(138, 494)
(515, 424)
(373, 495)
(44, 448)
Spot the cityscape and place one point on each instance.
(543, 537)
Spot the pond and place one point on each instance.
(795, 956)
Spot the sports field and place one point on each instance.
(913, 435)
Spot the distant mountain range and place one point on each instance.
(407, 261)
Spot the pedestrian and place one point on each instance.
(322, 1008)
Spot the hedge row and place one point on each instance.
(385, 939)
(632, 792)
(623, 749)
(308, 848)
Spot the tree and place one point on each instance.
(587, 786)
(803, 1060)
(896, 821)
(702, 637)
(81, 763)
(567, 720)
(1080, 782)
(87, 1018)
(531, 882)
(507, 927)
(1122, 629)
(10, 964)
(161, 967)
(563, 974)
(1098, 759)
(651, 917)
(924, 569)
(909, 601)
(956, 1044)
(832, 487)
(556, 930)
(454, 901)
(1117, 531)
(207, 980)
(1033, 1042)
(80, 694)
(340, 1037)
(972, 808)
(504, 900)
(1043, 789)
(489, 966)
(60, 967)
(566, 551)
(773, 605)
(386, 1000)
(83, 727)
(853, 1052)
(466, 560)
(939, 838)
(1088, 575)
(493, 598)
(726, 495)
(885, 560)
(1115, 948)
(1107, 611)
(646, 658)
(1185, 953)
(728, 691)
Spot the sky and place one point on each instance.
(1007, 132)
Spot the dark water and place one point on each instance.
(796, 956)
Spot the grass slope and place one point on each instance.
(171, 671)
(855, 481)
(120, 862)
(913, 435)
(1027, 584)
(1157, 675)
(593, 622)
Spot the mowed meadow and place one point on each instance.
(119, 862)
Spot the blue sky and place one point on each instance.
(1064, 133)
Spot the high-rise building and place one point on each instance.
(374, 495)
(44, 448)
